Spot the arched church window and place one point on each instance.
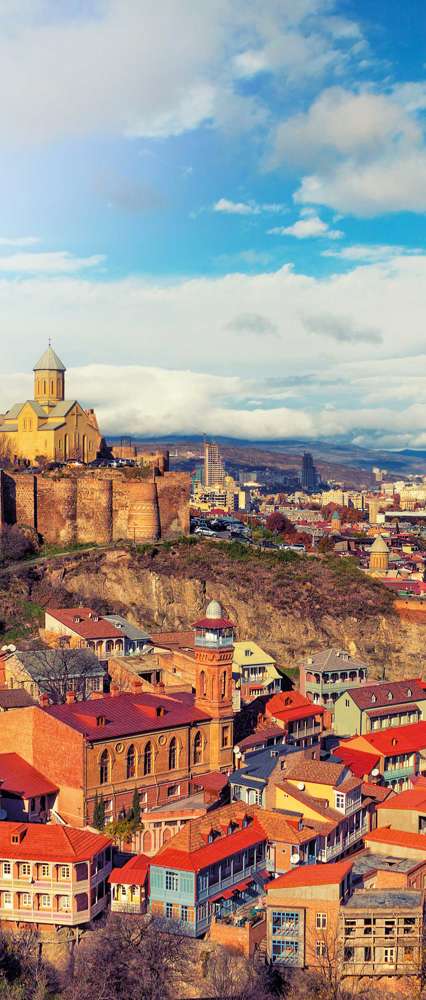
(198, 749)
(147, 759)
(172, 754)
(203, 688)
(131, 762)
(104, 768)
(223, 684)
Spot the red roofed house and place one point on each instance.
(406, 811)
(52, 875)
(399, 750)
(25, 794)
(316, 920)
(152, 742)
(130, 886)
(301, 720)
(83, 628)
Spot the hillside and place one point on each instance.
(291, 606)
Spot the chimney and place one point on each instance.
(70, 697)
(44, 701)
(114, 690)
(94, 695)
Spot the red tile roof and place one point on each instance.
(290, 705)
(359, 761)
(125, 714)
(134, 872)
(363, 696)
(411, 799)
(49, 842)
(219, 849)
(87, 628)
(398, 838)
(214, 781)
(20, 778)
(330, 874)
(401, 739)
(173, 640)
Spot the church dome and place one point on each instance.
(49, 362)
(379, 545)
(214, 610)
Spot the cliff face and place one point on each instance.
(291, 610)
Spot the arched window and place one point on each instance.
(104, 768)
(223, 684)
(198, 749)
(109, 645)
(131, 762)
(203, 688)
(44, 388)
(147, 759)
(172, 754)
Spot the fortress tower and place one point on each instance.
(214, 651)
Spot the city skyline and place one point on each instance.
(229, 214)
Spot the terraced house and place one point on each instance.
(400, 753)
(379, 706)
(52, 875)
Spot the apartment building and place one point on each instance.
(379, 706)
(256, 671)
(406, 811)
(52, 875)
(316, 919)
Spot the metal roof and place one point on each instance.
(49, 361)
(126, 628)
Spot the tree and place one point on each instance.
(99, 812)
(16, 542)
(231, 976)
(60, 671)
(132, 958)
(135, 810)
(277, 523)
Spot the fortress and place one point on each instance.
(79, 503)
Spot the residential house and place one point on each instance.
(216, 866)
(325, 675)
(406, 811)
(394, 843)
(54, 672)
(130, 886)
(301, 721)
(83, 628)
(255, 671)
(15, 698)
(379, 706)
(52, 875)
(249, 783)
(25, 793)
(401, 753)
(315, 917)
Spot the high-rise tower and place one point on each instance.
(309, 476)
(214, 652)
(214, 472)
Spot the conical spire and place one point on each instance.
(49, 362)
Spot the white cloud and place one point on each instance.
(307, 227)
(18, 241)
(366, 150)
(57, 262)
(229, 207)
(153, 70)
(370, 252)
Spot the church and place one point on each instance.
(49, 426)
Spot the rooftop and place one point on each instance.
(134, 872)
(248, 653)
(402, 739)
(359, 761)
(397, 838)
(124, 627)
(50, 842)
(124, 714)
(378, 695)
(16, 698)
(49, 361)
(290, 705)
(85, 622)
(385, 899)
(412, 799)
(334, 659)
(370, 862)
(329, 874)
(43, 662)
(20, 778)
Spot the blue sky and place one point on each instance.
(217, 212)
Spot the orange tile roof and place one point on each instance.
(20, 778)
(290, 705)
(87, 628)
(134, 872)
(330, 874)
(411, 799)
(49, 842)
(401, 739)
(387, 835)
(359, 761)
(219, 849)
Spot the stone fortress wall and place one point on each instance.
(100, 506)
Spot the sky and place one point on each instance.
(216, 211)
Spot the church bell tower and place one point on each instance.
(49, 379)
(214, 653)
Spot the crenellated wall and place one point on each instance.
(97, 506)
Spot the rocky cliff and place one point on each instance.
(290, 607)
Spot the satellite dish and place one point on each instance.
(12, 649)
(4, 649)
(294, 859)
(301, 786)
(375, 772)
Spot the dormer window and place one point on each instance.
(409, 692)
(213, 835)
(160, 710)
(373, 698)
(232, 827)
(100, 720)
(248, 652)
(390, 695)
(77, 619)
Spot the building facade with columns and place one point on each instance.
(49, 426)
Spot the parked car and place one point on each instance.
(205, 531)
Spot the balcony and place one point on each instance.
(393, 774)
(230, 880)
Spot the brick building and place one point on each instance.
(52, 875)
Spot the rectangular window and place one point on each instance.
(348, 954)
(64, 904)
(408, 953)
(321, 921)
(64, 872)
(284, 921)
(367, 954)
(45, 871)
(226, 736)
(124, 890)
(7, 869)
(184, 914)
(172, 881)
(173, 790)
(24, 869)
(25, 899)
(285, 951)
(45, 901)
(340, 800)
(320, 949)
(389, 956)
(169, 911)
(7, 900)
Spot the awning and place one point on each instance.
(228, 893)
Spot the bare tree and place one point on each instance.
(231, 976)
(59, 671)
